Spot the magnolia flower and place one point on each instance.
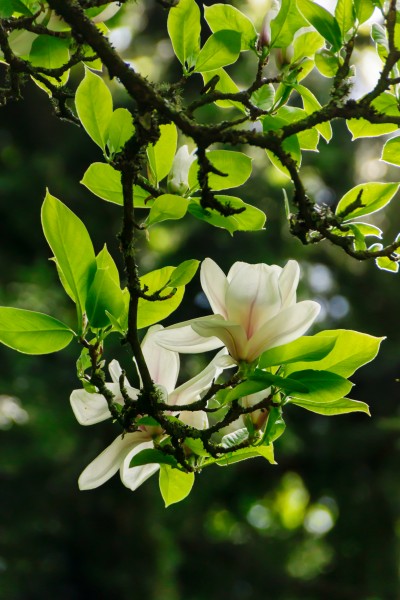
(92, 408)
(178, 178)
(255, 309)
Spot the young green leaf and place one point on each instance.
(364, 9)
(120, 130)
(224, 16)
(32, 332)
(153, 311)
(275, 425)
(365, 198)
(336, 407)
(51, 53)
(151, 455)
(386, 104)
(94, 106)
(221, 49)
(235, 166)
(161, 155)
(323, 21)
(184, 30)
(287, 22)
(352, 350)
(184, 273)
(327, 62)
(175, 485)
(323, 386)
(105, 182)
(311, 105)
(230, 458)
(167, 207)
(262, 380)
(385, 264)
(251, 219)
(306, 348)
(234, 438)
(104, 295)
(264, 97)
(70, 242)
(391, 151)
(306, 45)
(104, 260)
(345, 15)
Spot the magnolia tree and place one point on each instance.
(234, 408)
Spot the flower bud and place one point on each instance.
(178, 177)
(264, 39)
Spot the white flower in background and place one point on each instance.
(255, 309)
(92, 408)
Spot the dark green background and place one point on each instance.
(244, 533)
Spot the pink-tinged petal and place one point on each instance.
(190, 390)
(163, 364)
(214, 284)
(242, 266)
(288, 282)
(182, 338)
(90, 409)
(253, 296)
(133, 477)
(104, 466)
(231, 334)
(290, 324)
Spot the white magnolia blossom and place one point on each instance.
(163, 366)
(255, 309)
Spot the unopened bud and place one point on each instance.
(178, 178)
(264, 39)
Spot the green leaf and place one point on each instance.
(175, 485)
(306, 348)
(286, 23)
(391, 151)
(385, 104)
(161, 155)
(352, 350)
(224, 16)
(365, 198)
(70, 242)
(32, 332)
(167, 207)
(104, 295)
(323, 386)
(235, 165)
(234, 438)
(51, 53)
(264, 97)
(120, 130)
(337, 407)
(105, 182)
(94, 106)
(221, 49)
(291, 144)
(184, 30)
(184, 273)
(251, 219)
(151, 455)
(275, 425)
(345, 15)
(364, 9)
(306, 45)
(311, 105)
(230, 458)
(327, 63)
(323, 21)
(262, 380)
(104, 260)
(383, 262)
(150, 312)
(226, 85)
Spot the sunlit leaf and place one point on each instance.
(94, 106)
(184, 30)
(221, 49)
(365, 198)
(225, 16)
(175, 485)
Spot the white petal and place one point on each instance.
(163, 364)
(214, 284)
(90, 409)
(182, 338)
(104, 466)
(253, 296)
(190, 391)
(290, 324)
(133, 477)
(115, 371)
(231, 334)
(197, 419)
(288, 282)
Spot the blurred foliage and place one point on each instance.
(323, 523)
